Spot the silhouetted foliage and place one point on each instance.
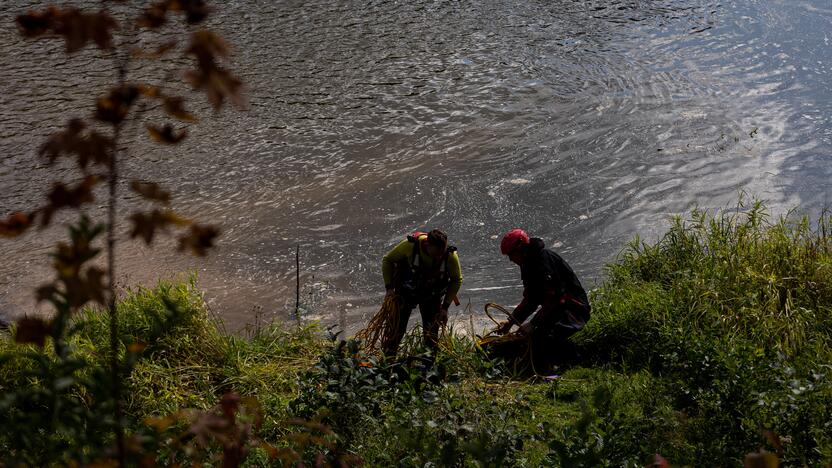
(76, 27)
(45, 431)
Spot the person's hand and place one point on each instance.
(443, 315)
(503, 327)
(526, 329)
(390, 292)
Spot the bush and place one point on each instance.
(719, 307)
(700, 348)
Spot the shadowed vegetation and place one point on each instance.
(709, 344)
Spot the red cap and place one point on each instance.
(512, 240)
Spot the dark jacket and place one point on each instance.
(551, 284)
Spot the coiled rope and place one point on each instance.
(381, 331)
(491, 339)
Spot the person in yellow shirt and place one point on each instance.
(422, 270)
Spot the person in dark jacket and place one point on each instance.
(553, 293)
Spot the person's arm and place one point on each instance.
(550, 310)
(455, 272)
(523, 310)
(400, 252)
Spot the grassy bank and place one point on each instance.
(709, 344)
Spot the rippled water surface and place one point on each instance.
(583, 122)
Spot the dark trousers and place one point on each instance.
(546, 347)
(429, 309)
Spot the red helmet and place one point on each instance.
(512, 240)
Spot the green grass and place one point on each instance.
(697, 344)
(733, 310)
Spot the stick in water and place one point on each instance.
(297, 284)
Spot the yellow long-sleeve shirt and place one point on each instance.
(404, 251)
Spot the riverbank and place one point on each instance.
(714, 342)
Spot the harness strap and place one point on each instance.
(570, 298)
(415, 259)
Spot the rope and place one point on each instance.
(383, 327)
(490, 339)
(494, 305)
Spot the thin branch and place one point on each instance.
(121, 66)
(297, 284)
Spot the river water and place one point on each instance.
(585, 123)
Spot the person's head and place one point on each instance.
(514, 245)
(436, 244)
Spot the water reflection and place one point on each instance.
(584, 122)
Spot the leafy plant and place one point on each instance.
(73, 405)
(721, 306)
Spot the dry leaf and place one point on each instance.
(150, 191)
(16, 224)
(174, 107)
(166, 134)
(199, 239)
(32, 330)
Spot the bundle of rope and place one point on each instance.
(490, 338)
(382, 328)
(514, 347)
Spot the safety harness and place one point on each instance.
(420, 278)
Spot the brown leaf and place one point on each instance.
(16, 224)
(99, 28)
(72, 26)
(149, 91)
(34, 24)
(774, 440)
(230, 403)
(95, 284)
(199, 239)
(209, 426)
(136, 347)
(658, 461)
(62, 196)
(114, 107)
(174, 107)
(150, 191)
(166, 134)
(86, 147)
(77, 28)
(207, 46)
(284, 454)
(84, 288)
(32, 330)
(97, 148)
(218, 83)
(46, 292)
(761, 459)
(145, 225)
(154, 16)
(69, 258)
(160, 424)
(255, 410)
(63, 142)
(195, 10)
(311, 425)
